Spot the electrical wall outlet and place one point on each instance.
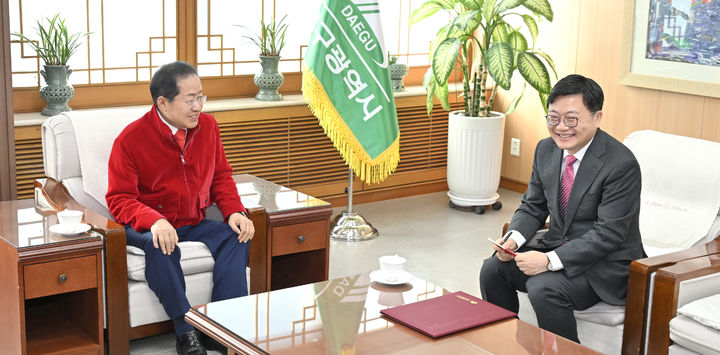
(515, 147)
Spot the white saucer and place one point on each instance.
(69, 229)
(381, 277)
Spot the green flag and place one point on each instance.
(347, 85)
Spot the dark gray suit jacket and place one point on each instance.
(600, 235)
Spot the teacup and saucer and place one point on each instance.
(70, 223)
(391, 271)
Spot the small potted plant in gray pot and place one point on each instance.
(270, 42)
(55, 47)
(398, 71)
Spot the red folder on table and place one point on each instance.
(447, 314)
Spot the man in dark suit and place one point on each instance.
(589, 184)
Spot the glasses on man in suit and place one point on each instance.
(569, 120)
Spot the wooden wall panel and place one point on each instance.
(651, 109)
(560, 40)
(313, 159)
(295, 152)
(711, 120)
(585, 38)
(286, 145)
(29, 164)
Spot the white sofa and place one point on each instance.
(678, 211)
(63, 163)
(696, 328)
(686, 306)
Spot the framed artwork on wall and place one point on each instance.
(672, 45)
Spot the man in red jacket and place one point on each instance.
(165, 169)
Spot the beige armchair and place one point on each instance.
(679, 214)
(131, 309)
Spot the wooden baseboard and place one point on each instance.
(388, 193)
(513, 185)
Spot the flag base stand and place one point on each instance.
(351, 227)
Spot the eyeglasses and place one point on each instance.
(198, 100)
(570, 121)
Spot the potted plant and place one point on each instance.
(479, 31)
(270, 42)
(398, 71)
(55, 47)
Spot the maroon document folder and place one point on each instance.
(447, 314)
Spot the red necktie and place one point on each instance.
(566, 183)
(180, 138)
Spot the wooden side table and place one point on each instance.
(297, 230)
(51, 295)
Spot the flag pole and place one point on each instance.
(350, 226)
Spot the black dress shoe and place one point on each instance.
(212, 344)
(189, 344)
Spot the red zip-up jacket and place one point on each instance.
(150, 177)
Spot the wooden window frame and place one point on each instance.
(137, 93)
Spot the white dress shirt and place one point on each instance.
(555, 263)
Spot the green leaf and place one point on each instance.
(444, 59)
(540, 7)
(442, 92)
(534, 71)
(472, 4)
(549, 60)
(430, 103)
(509, 4)
(516, 101)
(500, 32)
(271, 38)
(464, 24)
(472, 21)
(499, 61)
(426, 10)
(447, 4)
(532, 26)
(489, 9)
(435, 89)
(517, 41)
(543, 100)
(55, 45)
(429, 85)
(441, 35)
(428, 78)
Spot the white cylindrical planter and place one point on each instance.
(474, 158)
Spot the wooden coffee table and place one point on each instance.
(343, 316)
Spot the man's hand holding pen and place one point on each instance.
(531, 262)
(502, 254)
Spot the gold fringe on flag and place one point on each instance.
(371, 171)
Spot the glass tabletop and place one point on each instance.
(255, 192)
(342, 316)
(331, 314)
(23, 226)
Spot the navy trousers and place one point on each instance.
(553, 295)
(165, 276)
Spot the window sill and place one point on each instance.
(36, 119)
